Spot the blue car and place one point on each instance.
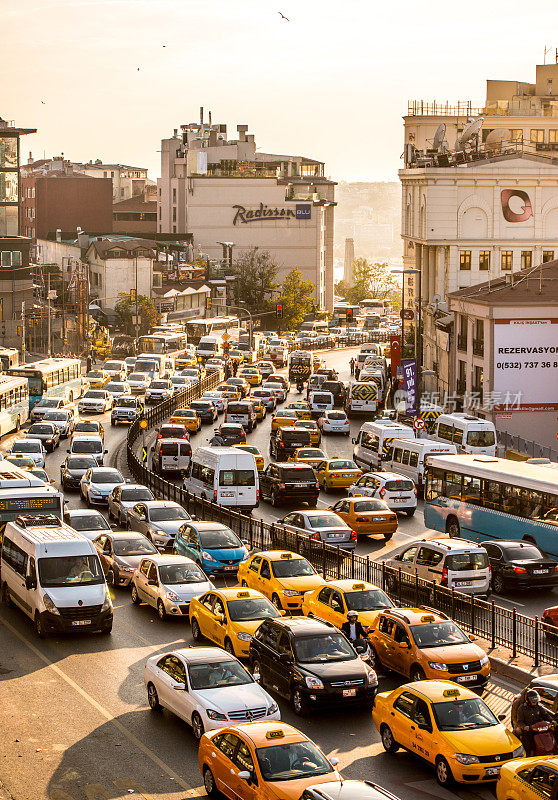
(216, 548)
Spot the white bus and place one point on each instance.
(14, 403)
(469, 434)
(9, 357)
(23, 493)
(162, 343)
(52, 377)
(196, 329)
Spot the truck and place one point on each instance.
(300, 366)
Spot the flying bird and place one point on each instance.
(283, 16)
(43, 102)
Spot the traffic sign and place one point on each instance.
(419, 424)
(225, 337)
(143, 423)
(144, 454)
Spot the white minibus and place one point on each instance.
(225, 475)
(469, 434)
(374, 439)
(410, 456)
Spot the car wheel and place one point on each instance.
(135, 596)
(276, 602)
(153, 698)
(313, 503)
(6, 599)
(453, 530)
(161, 610)
(107, 630)
(110, 577)
(410, 512)
(299, 702)
(388, 742)
(197, 726)
(417, 674)
(38, 627)
(443, 772)
(229, 647)
(497, 583)
(196, 632)
(209, 783)
(387, 536)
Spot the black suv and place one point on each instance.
(311, 663)
(337, 389)
(295, 482)
(285, 441)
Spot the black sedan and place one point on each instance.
(205, 410)
(228, 434)
(520, 565)
(47, 432)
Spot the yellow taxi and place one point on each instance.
(23, 462)
(250, 448)
(187, 417)
(334, 601)
(251, 374)
(237, 356)
(88, 426)
(312, 428)
(301, 408)
(308, 455)
(337, 473)
(283, 419)
(448, 726)
(97, 378)
(259, 408)
(230, 617)
(230, 392)
(317, 362)
(423, 643)
(367, 516)
(283, 577)
(262, 761)
(528, 779)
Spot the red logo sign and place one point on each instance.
(513, 216)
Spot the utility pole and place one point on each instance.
(49, 349)
(23, 330)
(137, 317)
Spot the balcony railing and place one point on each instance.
(537, 107)
(462, 343)
(478, 347)
(422, 108)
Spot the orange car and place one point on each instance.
(187, 417)
(367, 516)
(261, 761)
(283, 419)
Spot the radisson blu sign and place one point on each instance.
(267, 213)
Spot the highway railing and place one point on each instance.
(501, 627)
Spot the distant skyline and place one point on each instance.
(332, 84)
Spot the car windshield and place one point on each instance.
(342, 465)
(294, 761)
(463, 715)
(369, 505)
(321, 398)
(88, 522)
(292, 568)
(467, 561)
(113, 366)
(86, 447)
(81, 463)
(115, 387)
(26, 447)
(137, 376)
(337, 415)
(523, 552)
(438, 634)
(399, 486)
(70, 571)
(326, 647)
(326, 521)
(57, 415)
(92, 394)
(48, 404)
(126, 402)
(311, 453)
(367, 600)
(480, 438)
(38, 428)
(251, 608)
(167, 513)
(86, 427)
(106, 476)
(159, 385)
(219, 539)
(136, 546)
(218, 675)
(136, 493)
(174, 574)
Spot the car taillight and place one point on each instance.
(444, 581)
(257, 494)
(519, 570)
(281, 485)
(415, 490)
(354, 535)
(382, 493)
(556, 568)
(315, 536)
(215, 495)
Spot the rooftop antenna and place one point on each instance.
(496, 137)
(439, 136)
(546, 50)
(470, 131)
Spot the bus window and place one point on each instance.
(445, 431)
(434, 484)
(472, 491)
(453, 485)
(405, 459)
(370, 440)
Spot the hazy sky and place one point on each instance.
(331, 84)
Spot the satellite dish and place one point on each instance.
(470, 130)
(439, 136)
(496, 137)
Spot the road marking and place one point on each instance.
(190, 791)
(505, 600)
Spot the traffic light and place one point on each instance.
(208, 303)
(133, 295)
(19, 330)
(349, 315)
(279, 310)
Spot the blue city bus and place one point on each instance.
(479, 497)
(52, 377)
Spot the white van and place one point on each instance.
(409, 457)
(225, 475)
(88, 445)
(469, 434)
(362, 398)
(372, 444)
(156, 365)
(53, 574)
(320, 402)
(171, 455)
(209, 347)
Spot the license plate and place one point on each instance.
(493, 770)
(399, 499)
(81, 622)
(464, 583)
(227, 494)
(540, 571)
(466, 678)
(230, 569)
(349, 692)
(336, 536)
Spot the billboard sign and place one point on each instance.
(303, 210)
(526, 364)
(410, 384)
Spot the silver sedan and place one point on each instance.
(159, 520)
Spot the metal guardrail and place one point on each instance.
(509, 441)
(499, 626)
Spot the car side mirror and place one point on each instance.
(244, 775)
(404, 645)
(179, 687)
(334, 761)
(105, 452)
(153, 582)
(67, 451)
(220, 618)
(30, 582)
(286, 658)
(114, 526)
(282, 613)
(256, 677)
(424, 726)
(472, 638)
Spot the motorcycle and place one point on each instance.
(300, 387)
(544, 739)
(363, 649)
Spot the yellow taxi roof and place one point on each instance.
(351, 585)
(441, 691)
(278, 555)
(259, 733)
(416, 616)
(237, 593)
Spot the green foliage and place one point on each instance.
(126, 309)
(370, 280)
(255, 280)
(297, 299)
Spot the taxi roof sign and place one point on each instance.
(243, 594)
(286, 555)
(359, 586)
(276, 734)
(451, 692)
(428, 618)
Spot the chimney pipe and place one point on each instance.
(201, 115)
(210, 119)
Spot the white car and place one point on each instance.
(98, 483)
(88, 522)
(398, 492)
(217, 398)
(138, 382)
(63, 418)
(32, 448)
(95, 401)
(279, 391)
(117, 389)
(191, 373)
(116, 369)
(168, 583)
(335, 422)
(179, 382)
(214, 365)
(207, 688)
(46, 404)
(158, 391)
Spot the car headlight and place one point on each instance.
(372, 677)
(108, 602)
(273, 708)
(49, 605)
(466, 758)
(313, 683)
(244, 637)
(292, 593)
(215, 714)
(483, 661)
(519, 752)
(208, 557)
(438, 665)
(174, 598)
(95, 491)
(125, 568)
(159, 533)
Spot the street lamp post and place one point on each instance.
(418, 336)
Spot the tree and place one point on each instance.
(126, 309)
(255, 280)
(297, 299)
(370, 280)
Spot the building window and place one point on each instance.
(174, 195)
(478, 338)
(484, 259)
(174, 228)
(174, 213)
(516, 135)
(464, 259)
(537, 135)
(462, 377)
(462, 335)
(553, 136)
(122, 193)
(526, 259)
(104, 174)
(507, 259)
(548, 255)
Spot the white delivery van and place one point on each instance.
(374, 439)
(409, 457)
(209, 347)
(320, 402)
(225, 475)
(171, 455)
(469, 434)
(362, 398)
(53, 574)
(374, 375)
